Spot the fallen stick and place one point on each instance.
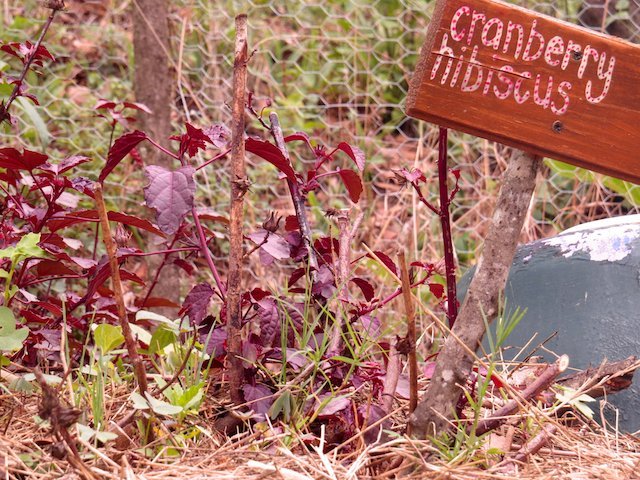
(536, 443)
(541, 383)
(603, 380)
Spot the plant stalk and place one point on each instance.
(141, 375)
(445, 222)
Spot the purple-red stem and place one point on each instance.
(204, 248)
(394, 295)
(164, 150)
(217, 157)
(445, 221)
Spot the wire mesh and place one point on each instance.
(336, 69)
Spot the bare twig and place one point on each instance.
(130, 341)
(296, 196)
(606, 379)
(536, 443)
(394, 366)
(234, 307)
(541, 383)
(411, 332)
(342, 277)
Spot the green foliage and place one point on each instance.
(26, 248)
(11, 338)
(108, 337)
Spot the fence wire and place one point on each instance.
(336, 69)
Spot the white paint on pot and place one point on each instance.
(609, 240)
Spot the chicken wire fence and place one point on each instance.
(336, 69)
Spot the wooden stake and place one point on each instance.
(130, 342)
(236, 213)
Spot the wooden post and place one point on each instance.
(238, 189)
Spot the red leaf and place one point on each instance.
(47, 268)
(105, 104)
(384, 258)
(414, 176)
(296, 275)
(258, 397)
(12, 159)
(170, 193)
(272, 243)
(134, 222)
(291, 224)
(299, 136)
(154, 302)
(196, 304)
(137, 106)
(353, 183)
(437, 290)
(366, 287)
(65, 165)
(120, 149)
(271, 154)
(355, 153)
(192, 141)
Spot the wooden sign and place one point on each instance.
(533, 82)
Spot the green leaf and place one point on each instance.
(161, 407)
(108, 337)
(139, 402)
(87, 434)
(10, 338)
(192, 397)
(161, 338)
(27, 247)
(37, 122)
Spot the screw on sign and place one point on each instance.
(533, 82)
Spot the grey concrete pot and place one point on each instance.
(583, 284)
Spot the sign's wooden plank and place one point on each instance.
(533, 82)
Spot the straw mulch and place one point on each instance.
(581, 451)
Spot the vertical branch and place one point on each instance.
(296, 197)
(342, 277)
(411, 332)
(455, 359)
(138, 367)
(445, 221)
(234, 306)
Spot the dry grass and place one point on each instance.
(576, 451)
